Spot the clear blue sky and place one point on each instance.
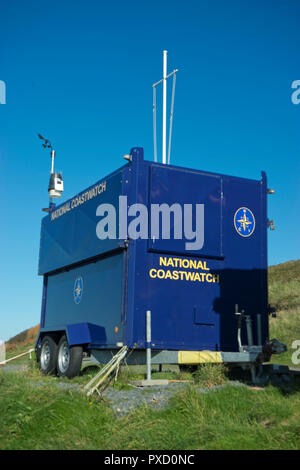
(81, 72)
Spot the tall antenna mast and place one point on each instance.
(164, 123)
(164, 134)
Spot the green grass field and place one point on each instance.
(36, 414)
(33, 416)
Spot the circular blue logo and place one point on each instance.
(244, 222)
(78, 289)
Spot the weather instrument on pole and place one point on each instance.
(164, 129)
(56, 184)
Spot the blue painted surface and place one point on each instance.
(86, 333)
(71, 237)
(189, 310)
(100, 304)
(172, 185)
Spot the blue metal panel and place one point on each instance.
(100, 303)
(191, 314)
(183, 315)
(172, 185)
(44, 297)
(137, 184)
(192, 306)
(243, 277)
(68, 233)
(86, 333)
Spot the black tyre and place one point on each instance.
(38, 354)
(69, 359)
(48, 355)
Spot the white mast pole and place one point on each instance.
(52, 161)
(164, 136)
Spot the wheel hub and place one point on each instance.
(45, 355)
(64, 357)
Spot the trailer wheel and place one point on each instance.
(69, 359)
(48, 355)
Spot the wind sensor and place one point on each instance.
(56, 184)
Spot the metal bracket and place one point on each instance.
(271, 225)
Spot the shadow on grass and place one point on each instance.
(90, 370)
(286, 384)
(286, 389)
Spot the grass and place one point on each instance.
(284, 295)
(234, 417)
(210, 375)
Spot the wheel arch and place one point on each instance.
(78, 334)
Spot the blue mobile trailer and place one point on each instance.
(96, 292)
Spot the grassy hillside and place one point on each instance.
(21, 342)
(284, 295)
(24, 339)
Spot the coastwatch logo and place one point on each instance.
(78, 290)
(244, 222)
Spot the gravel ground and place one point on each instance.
(124, 401)
(14, 368)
